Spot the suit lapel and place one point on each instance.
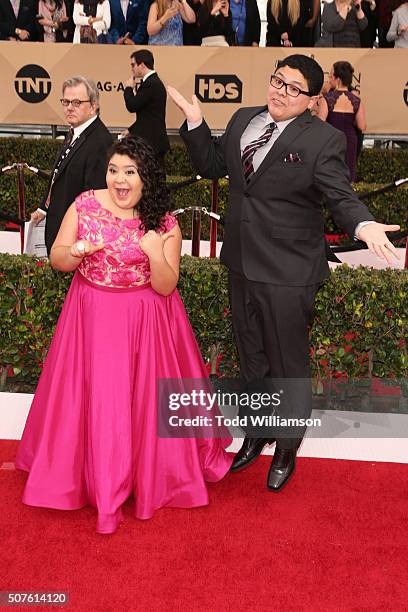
(291, 132)
(11, 11)
(20, 8)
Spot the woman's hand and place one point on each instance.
(224, 7)
(285, 40)
(310, 23)
(84, 248)
(152, 244)
(46, 22)
(217, 6)
(170, 13)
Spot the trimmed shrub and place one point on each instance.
(360, 328)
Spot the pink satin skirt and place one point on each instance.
(91, 434)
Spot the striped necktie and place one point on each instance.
(250, 150)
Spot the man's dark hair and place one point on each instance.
(309, 68)
(144, 57)
(343, 71)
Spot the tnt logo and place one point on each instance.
(406, 94)
(218, 88)
(32, 83)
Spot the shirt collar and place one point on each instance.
(81, 128)
(281, 125)
(146, 76)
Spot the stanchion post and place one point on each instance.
(21, 202)
(213, 222)
(195, 232)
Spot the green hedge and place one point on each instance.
(360, 327)
(374, 165)
(390, 207)
(379, 165)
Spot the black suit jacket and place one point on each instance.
(26, 19)
(149, 104)
(84, 168)
(274, 227)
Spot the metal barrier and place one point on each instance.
(196, 211)
(19, 169)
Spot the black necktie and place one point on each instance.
(250, 150)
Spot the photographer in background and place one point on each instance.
(342, 22)
(165, 21)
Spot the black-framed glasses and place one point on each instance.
(291, 90)
(74, 103)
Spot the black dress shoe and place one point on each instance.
(249, 451)
(282, 468)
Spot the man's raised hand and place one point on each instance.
(192, 112)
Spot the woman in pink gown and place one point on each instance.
(91, 434)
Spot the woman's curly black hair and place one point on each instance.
(155, 202)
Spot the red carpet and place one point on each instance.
(335, 539)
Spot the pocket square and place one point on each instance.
(292, 158)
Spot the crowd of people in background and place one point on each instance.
(290, 23)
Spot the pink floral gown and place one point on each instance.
(91, 435)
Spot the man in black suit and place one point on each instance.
(81, 164)
(149, 104)
(18, 19)
(280, 161)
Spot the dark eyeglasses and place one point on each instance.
(291, 90)
(74, 103)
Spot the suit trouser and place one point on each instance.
(271, 329)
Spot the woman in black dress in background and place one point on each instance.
(344, 110)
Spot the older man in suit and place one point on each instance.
(149, 104)
(18, 19)
(81, 164)
(281, 161)
(128, 22)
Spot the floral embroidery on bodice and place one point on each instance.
(121, 263)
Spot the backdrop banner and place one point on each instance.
(222, 78)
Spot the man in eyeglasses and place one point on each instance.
(81, 163)
(281, 162)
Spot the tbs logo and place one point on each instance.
(218, 88)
